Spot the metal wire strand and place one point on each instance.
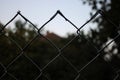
(59, 50)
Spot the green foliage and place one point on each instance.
(105, 30)
(41, 52)
(79, 52)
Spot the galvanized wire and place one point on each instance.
(59, 50)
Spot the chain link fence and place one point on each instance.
(8, 71)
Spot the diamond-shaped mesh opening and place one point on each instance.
(60, 26)
(24, 69)
(57, 28)
(41, 51)
(78, 52)
(98, 70)
(21, 31)
(59, 69)
(8, 51)
(99, 36)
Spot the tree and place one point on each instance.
(40, 51)
(111, 8)
(78, 52)
(105, 31)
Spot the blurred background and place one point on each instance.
(23, 59)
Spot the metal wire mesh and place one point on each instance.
(59, 51)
